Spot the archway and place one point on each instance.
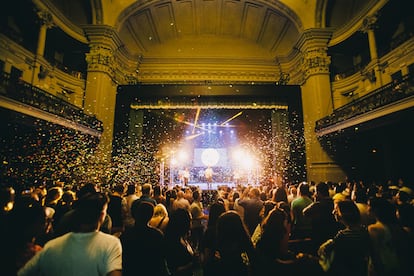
(248, 134)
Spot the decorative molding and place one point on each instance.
(46, 19)
(209, 106)
(316, 61)
(321, 13)
(97, 12)
(197, 76)
(385, 100)
(100, 59)
(369, 23)
(106, 52)
(201, 69)
(314, 38)
(313, 45)
(367, 116)
(103, 36)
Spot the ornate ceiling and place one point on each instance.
(207, 34)
(202, 28)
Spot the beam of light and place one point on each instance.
(228, 120)
(193, 136)
(195, 120)
(226, 126)
(190, 124)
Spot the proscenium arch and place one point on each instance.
(262, 97)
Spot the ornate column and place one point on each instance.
(46, 22)
(100, 92)
(368, 26)
(316, 103)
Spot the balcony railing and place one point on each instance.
(25, 93)
(395, 91)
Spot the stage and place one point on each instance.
(203, 185)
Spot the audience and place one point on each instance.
(26, 223)
(209, 240)
(130, 197)
(252, 205)
(267, 207)
(302, 225)
(391, 243)
(197, 220)
(324, 226)
(142, 245)
(181, 258)
(160, 217)
(117, 208)
(84, 251)
(348, 252)
(274, 256)
(146, 191)
(359, 230)
(234, 252)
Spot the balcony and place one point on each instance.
(395, 96)
(20, 96)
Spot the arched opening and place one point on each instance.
(253, 138)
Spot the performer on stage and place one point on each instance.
(208, 174)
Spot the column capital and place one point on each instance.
(105, 49)
(369, 23)
(100, 59)
(313, 46)
(103, 36)
(45, 19)
(314, 38)
(103, 43)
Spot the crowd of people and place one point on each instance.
(323, 228)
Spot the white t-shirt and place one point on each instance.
(93, 253)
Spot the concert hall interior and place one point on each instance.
(207, 137)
